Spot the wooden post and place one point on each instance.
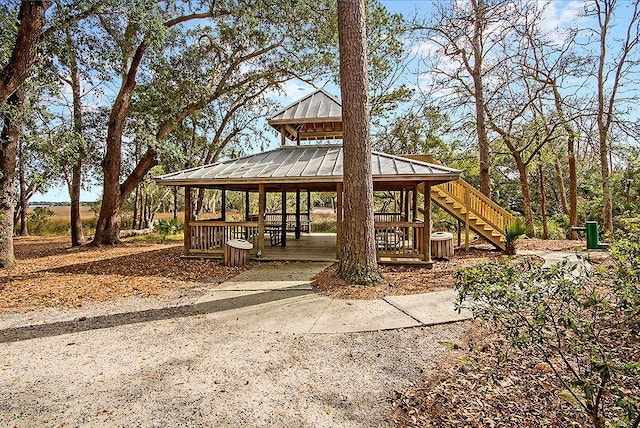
(262, 205)
(338, 220)
(247, 213)
(283, 242)
(406, 206)
(466, 219)
(283, 138)
(298, 138)
(401, 205)
(187, 219)
(414, 215)
(427, 222)
(415, 203)
(309, 210)
(223, 206)
(297, 213)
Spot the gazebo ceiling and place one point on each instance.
(317, 116)
(310, 167)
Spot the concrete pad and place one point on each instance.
(430, 308)
(292, 276)
(261, 286)
(350, 316)
(293, 314)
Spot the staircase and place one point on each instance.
(473, 209)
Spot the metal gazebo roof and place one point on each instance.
(316, 116)
(304, 166)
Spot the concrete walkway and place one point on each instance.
(574, 257)
(299, 310)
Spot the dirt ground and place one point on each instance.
(207, 371)
(51, 273)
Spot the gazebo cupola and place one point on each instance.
(317, 116)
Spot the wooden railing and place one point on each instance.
(208, 236)
(477, 204)
(400, 239)
(385, 217)
(276, 219)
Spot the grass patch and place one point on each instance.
(155, 238)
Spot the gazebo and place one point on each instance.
(402, 236)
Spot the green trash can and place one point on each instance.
(593, 242)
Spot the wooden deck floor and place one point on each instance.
(317, 247)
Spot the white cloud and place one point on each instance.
(558, 15)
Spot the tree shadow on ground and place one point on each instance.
(164, 262)
(16, 334)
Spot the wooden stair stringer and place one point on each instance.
(458, 209)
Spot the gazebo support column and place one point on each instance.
(223, 205)
(247, 213)
(187, 219)
(297, 213)
(262, 204)
(427, 223)
(414, 205)
(309, 210)
(414, 212)
(338, 220)
(406, 205)
(283, 242)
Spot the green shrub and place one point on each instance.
(40, 222)
(514, 231)
(582, 322)
(324, 226)
(166, 228)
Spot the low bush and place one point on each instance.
(584, 323)
(324, 226)
(514, 231)
(167, 227)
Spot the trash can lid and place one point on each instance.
(241, 244)
(441, 236)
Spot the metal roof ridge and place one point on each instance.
(319, 90)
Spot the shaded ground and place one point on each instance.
(51, 273)
(401, 280)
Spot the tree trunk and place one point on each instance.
(573, 187)
(77, 235)
(25, 50)
(607, 206)
(108, 225)
(11, 133)
(358, 263)
(134, 220)
(526, 193)
(543, 204)
(24, 229)
(478, 89)
(75, 186)
(562, 192)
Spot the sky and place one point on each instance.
(559, 12)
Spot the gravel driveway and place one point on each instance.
(199, 370)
